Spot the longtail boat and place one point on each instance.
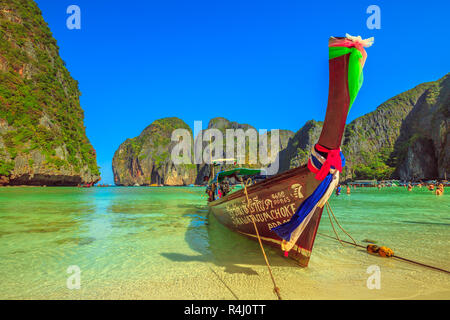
(286, 208)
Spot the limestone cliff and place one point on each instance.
(297, 151)
(42, 135)
(146, 159)
(423, 147)
(222, 125)
(407, 137)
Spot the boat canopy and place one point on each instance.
(237, 172)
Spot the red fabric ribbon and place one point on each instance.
(333, 160)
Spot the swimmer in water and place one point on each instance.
(409, 187)
(440, 190)
(338, 190)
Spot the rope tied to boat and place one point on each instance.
(382, 251)
(276, 289)
(328, 207)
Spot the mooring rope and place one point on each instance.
(361, 246)
(335, 219)
(332, 224)
(275, 287)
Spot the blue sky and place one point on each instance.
(257, 62)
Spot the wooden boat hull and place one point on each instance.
(272, 202)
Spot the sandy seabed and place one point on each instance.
(344, 278)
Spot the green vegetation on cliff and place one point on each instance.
(146, 159)
(299, 146)
(381, 144)
(374, 166)
(158, 134)
(39, 100)
(405, 137)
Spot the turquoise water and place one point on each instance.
(159, 243)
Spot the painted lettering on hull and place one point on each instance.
(271, 209)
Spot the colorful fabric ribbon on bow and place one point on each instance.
(321, 166)
(335, 160)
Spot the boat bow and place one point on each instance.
(287, 207)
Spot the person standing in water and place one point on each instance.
(348, 189)
(338, 190)
(440, 190)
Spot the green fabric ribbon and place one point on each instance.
(355, 74)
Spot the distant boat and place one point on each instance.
(85, 185)
(287, 207)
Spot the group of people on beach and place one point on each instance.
(218, 190)
(338, 189)
(439, 190)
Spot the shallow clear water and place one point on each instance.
(159, 243)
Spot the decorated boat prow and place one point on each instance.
(285, 210)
